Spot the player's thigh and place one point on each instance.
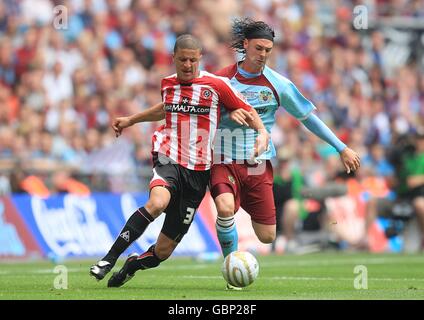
(263, 214)
(222, 174)
(164, 183)
(179, 217)
(164, 246)
(257, 198)
(266, 233)
(181, 211)
(224, 186)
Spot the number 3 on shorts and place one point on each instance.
(189, 215)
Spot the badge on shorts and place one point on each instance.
(232, 180)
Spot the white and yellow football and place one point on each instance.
(240, 268)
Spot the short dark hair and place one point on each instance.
(249, 29)
(187, 41)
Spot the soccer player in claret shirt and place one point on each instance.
(182, 155)
(232, 185)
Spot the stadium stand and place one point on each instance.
(61, 84)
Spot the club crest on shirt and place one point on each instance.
(265, 96)
(206, 94)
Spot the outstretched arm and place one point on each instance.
(155, 113)
(350, 158)
(301, 108)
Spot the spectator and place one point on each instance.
(58, 85)
(377, 162)
(108, 62)
(408, 159)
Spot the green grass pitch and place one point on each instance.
(288, 277)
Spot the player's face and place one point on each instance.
(187, 63)
(257, 53)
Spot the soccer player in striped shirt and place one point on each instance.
(182, 156)
(236, 180)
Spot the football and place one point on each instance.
(240, 268)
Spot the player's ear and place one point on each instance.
(199, 54)
(245, 43)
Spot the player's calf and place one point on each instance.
(147, 260)
(227, 234)
(134, 263)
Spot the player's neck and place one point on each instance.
(246, 69)
(182, 80)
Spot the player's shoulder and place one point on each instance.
(172, 76)
(172, 79)
(273, 75)
(213, 78)
(278, 81)
(228, 72)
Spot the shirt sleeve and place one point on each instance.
(316, 126)
(294, 102)
(162, 89)
(229, 97)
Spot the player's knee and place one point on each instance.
(224, 207)
(267, 237)
(163, 252)
(155, 206)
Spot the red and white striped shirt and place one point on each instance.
(192, 116)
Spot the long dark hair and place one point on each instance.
(247, 29)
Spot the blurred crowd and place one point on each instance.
(67, 68)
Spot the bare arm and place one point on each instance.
(262, 141)
(155, 113)
(349, 157)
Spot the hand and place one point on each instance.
(261, 144)
(119, 124)
(350, 160)
(240, 116)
